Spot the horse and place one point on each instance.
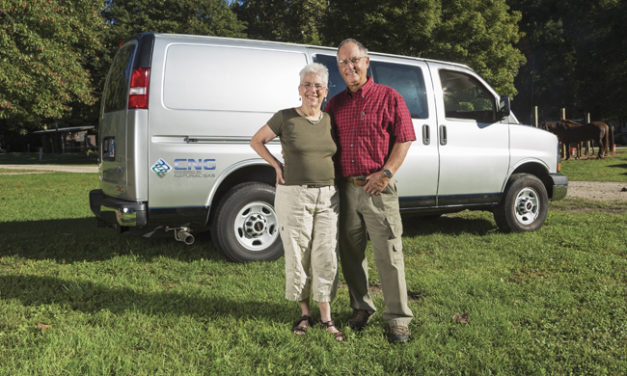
(560, 126)
(575, 134)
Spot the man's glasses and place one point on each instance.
(353, 60)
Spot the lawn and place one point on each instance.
(76, 299)
(610, 168)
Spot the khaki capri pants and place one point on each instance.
(308, 220)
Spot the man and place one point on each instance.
(374, 131)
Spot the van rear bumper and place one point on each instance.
(560, 186)
(114, 211)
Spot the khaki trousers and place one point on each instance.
(378, 217)
(308, 227)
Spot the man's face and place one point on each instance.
(353, 66)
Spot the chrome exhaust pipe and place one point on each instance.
(185, 237)
(182, 234)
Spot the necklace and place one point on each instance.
(302, 113)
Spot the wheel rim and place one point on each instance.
(255, 226)
(527, 206)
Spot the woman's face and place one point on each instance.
(312, 90)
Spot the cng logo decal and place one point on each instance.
(161, 167)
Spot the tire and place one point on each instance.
(524, 205)
(245, 227)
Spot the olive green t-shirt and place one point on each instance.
(308, 148)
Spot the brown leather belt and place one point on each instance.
(357, 180)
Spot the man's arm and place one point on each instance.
(377, 181)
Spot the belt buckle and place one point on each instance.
(357, 180)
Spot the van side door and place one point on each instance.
(473, 143)
(418, 176)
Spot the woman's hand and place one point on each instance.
(279, 174)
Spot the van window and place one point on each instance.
(408, 81)
(466, 98)
(336, 82)
(224, 78)
(116, 94)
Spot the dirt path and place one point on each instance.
(47, 168)
(600, 191)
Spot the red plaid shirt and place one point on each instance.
(367, 124)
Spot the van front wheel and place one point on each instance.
(524, 205)
(245, 226)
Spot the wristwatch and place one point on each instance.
(388, 174)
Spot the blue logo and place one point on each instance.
(191, 164)
(161, 167)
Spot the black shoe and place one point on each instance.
(398, 334)
(359, 319)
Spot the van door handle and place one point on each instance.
(442, 134)
(426, 137)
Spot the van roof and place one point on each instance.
(286, 45)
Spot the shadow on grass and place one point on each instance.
(90, 297)
(623, 166)
(80, 239)
(450, 225)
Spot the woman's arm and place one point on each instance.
(258, 143)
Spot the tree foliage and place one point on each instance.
(478, 33)
(48, 49)
(202, 17)
(283, 20)
(577, 54)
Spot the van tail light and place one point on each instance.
(138, 93)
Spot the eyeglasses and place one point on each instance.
(353, 60)
(309, 85)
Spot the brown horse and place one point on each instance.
(568, 132)
(561, 126)
(607, 129)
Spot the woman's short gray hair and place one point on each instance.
(317, 69)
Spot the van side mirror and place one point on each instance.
(504, 107)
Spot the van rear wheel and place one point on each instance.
(246, 226)
(524, 205)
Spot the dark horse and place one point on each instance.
(570, 132)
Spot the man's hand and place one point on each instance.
(376, 183)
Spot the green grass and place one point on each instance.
(550, 302)
(610, 168)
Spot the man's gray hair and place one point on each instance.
(362, 48)
(317, 69)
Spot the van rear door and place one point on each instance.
(123, 124)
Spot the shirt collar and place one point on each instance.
(363, 91)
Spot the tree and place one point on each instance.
(203, 17)
(294, 21)
(475, 32)
(46, 50)
(577, 57)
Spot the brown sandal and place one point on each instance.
(299, 328)
(330, 328)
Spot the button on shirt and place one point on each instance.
(367, 125)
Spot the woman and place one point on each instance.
(306, 202)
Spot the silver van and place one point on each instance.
(178, 112)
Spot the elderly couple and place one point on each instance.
(370, 128)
